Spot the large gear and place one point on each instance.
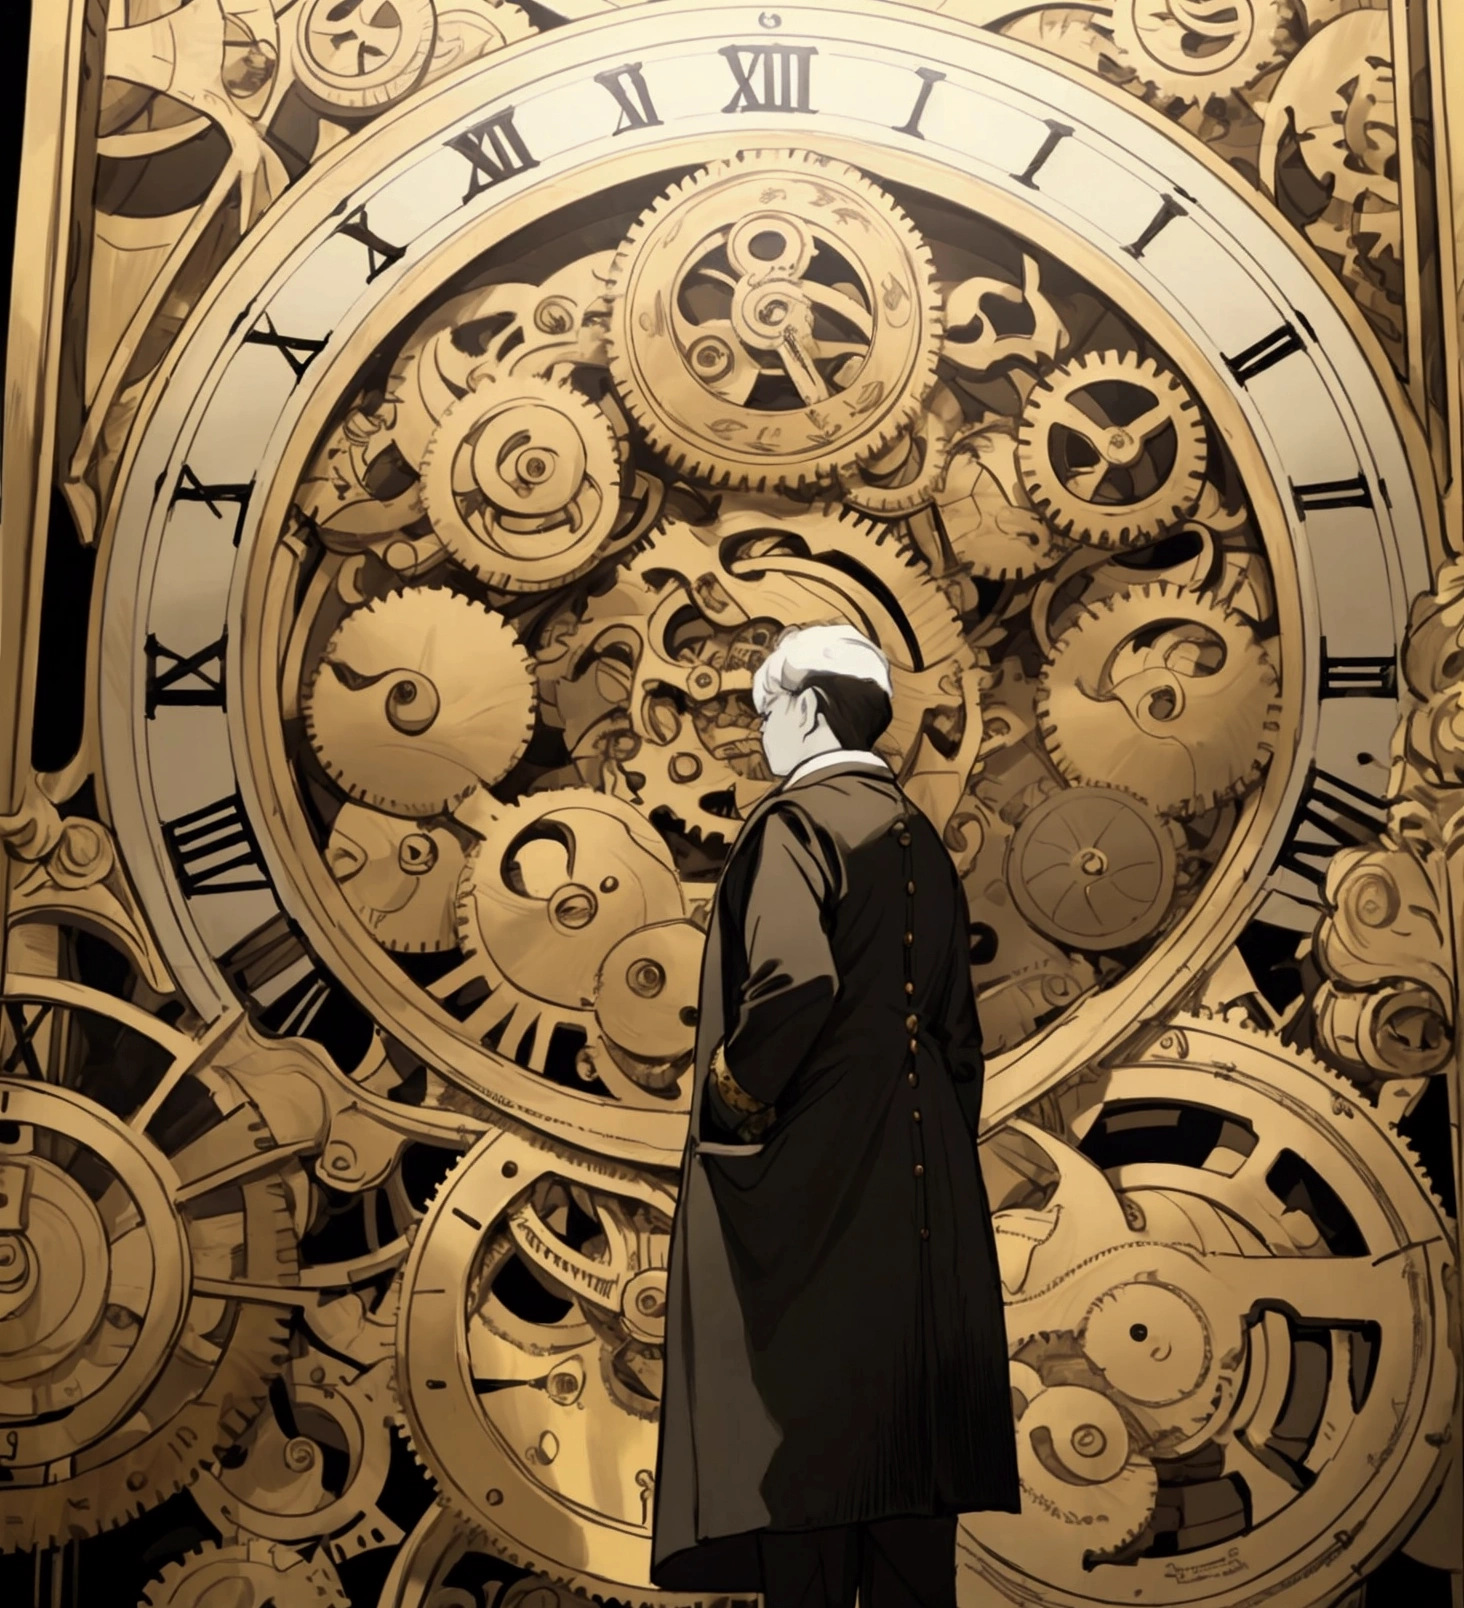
(542, 1273)
(418, 700)
(657, 675)
(562, 881)
(1093, 868)
(147, 1257)
(775, 321)
(521, 481)
(358, 58)
(1201, 50)
(1164, 691)
(400, 878)
(251, 1574)
(1261, 1305)
(1112, 448)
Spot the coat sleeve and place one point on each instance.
(959, 1021)
(792, 981)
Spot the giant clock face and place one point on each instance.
(445, 545)
(480, 489)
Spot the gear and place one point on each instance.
(418, 700)
(399, 878)
(254, 1574)
(137, 1336)
(646, 992)
(358, 57)
(1215, 1294)
(1166, 689)
(286, 1487)
(1201, 50)
(1112, 449)
(775, 321)
(984, 510)
(521, 480)
(562, 879)
(529, 1357)
(1021, 980)
(657, 675)
(1093, 868)
(1080, 1481)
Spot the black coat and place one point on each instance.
(835, 1348)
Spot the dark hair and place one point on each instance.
(856, 710)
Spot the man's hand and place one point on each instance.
(750, 1118)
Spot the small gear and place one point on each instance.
(317, 1473)
(540, 1267)
(418, 700)
(560, 881)
(1093, 868)
(774, 321)
(399, 877)
(1201, 50)
(646, 991)
(1165, 690)
(251, 1574)
(1081, 1480)
(521, 481)
(1112, 449)
(353, 57)
(986, 514)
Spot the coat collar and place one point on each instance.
(844, 767)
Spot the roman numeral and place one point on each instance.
(380, 254)
(785, 76)
(496, 150)
(1265, 353)
(1358, 678)
(1332, 815)
(1169, 210)
(214, 849)
(929, 77)
(299, 351)
(628, 86)
(1056, 134)
(191, 489)
(178, 680)
(1325, 494)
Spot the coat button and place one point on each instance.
(912, 1079)
(909, 887)
(914, 1046)
(898, 825)
(909, 939)
(925, 1233)
(904, 840)
(916, 1115)
(911, 1023)
(919, 1170)
(909, 988)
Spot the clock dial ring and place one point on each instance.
(334, 356)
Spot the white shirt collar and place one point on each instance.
(834, 756)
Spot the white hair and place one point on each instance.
(803, 650)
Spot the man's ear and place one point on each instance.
(808, 709)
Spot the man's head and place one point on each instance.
(822, 687)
